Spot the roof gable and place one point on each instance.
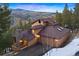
(49, 20)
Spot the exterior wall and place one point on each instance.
(46, 41)
(61, 42)
(32, 42)
(14, 48)
(29, 43)
(36, 31)
(35, 40)
(37, 23)
(54, 42)
(24, 44)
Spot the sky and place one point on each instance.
(41, 7)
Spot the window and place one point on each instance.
(60, 28)
(39, 21)
(21, 41)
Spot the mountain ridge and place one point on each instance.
(21, 13)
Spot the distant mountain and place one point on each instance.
(22, 14)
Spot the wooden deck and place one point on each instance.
(36, 50)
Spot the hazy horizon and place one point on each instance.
(41, 7)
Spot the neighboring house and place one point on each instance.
(46, 31)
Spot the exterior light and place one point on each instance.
(33, 31)
(56, 40)
(20, 41)
(37, 35)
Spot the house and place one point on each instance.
(46, 31)
(54, 36)
(52, 33)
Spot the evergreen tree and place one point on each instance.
(72, 22)
(29, 24)
(20, 26)
(66, 17)
(4, 26)
(76, 15)
(4, 18)
(59, 17)
(25, 26)
(6, 41)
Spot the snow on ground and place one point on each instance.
(68, 50)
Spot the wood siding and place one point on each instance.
(54, 42)
(37, 23)
(32, 42)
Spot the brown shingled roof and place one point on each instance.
(54, 32)
(25, 34)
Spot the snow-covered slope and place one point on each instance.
(68, 50)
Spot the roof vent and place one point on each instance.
(59, 29)
(62, 28)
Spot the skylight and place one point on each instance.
(60, 28)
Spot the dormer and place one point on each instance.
(45, 22)
(38, 22)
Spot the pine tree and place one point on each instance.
(4, 18)
(66, 17)
(25, 26)
(59, 17)
(20, 26)
(76, 15)
(72, 22)
(5, 36)
(29, 24)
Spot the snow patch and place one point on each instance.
(68, 50)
